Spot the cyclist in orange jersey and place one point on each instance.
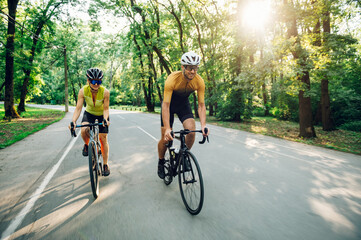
(178, 86)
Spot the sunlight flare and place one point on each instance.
(255, 15)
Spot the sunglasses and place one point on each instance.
(96, 82)
(190, 67)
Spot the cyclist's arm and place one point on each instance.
(165, 118)
(78, 107)
(202, 108)
(202, 116)
(106, 106)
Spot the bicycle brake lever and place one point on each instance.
(72, 131)
(204, 138)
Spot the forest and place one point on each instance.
(296, 60)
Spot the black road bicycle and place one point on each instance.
(94, 154)
(184, 164)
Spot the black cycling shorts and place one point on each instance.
(90, 118)
(182, 109)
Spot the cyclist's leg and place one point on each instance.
(190, 124)
(161, 143)
(84, 132)
(103, 137)
(186, 117)
(162, 146)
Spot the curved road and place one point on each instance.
(256, 187)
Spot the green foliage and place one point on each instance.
(240, 65)
(352, 126)
(232, 106)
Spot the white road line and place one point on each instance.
(20, 217)
(148, 134)
(120, 117)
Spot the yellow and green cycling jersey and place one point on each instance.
(94, 107)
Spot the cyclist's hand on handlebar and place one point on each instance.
(72, 126)
(106, 123)
(168, 135)
(205, 131)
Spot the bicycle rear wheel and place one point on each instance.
(191, 183)
(93, 169)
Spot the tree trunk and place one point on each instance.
(265, 100)
(305, 110)
(327, 123)
(10, 111)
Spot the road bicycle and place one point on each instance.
(94, 154)
(183, 163)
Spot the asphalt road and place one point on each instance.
(256, 187)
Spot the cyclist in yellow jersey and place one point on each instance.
(97, 107)
(178, 86)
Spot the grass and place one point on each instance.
(33, 120)
(341, 140)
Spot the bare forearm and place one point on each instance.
(202, 114)
(165, 115)
(76, 114)
(106, 113)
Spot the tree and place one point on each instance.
(40, 20)
(10, 111)
(300, 56)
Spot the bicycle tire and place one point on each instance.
(191, 184)
(93, 169)
(168, 178)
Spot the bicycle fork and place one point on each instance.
(184, 170)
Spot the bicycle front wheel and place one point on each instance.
(191, 183)
(168, 178)
(93, 169)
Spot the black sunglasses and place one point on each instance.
(190, 67)
(96, 82)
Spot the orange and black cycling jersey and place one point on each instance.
(178, 86)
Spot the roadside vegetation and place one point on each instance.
(342, 140)
(33, 120)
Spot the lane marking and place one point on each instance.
(120, 117)
(148, 134)
(35, 196)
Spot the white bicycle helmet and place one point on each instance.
(94, 73)
(190, 58)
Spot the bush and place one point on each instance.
(232, 107)
(115, 97)
(284, 113)
(352, 126)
